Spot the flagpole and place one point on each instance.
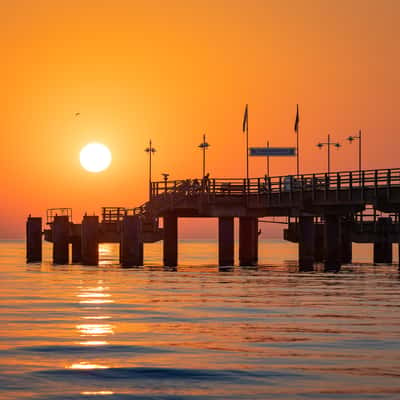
(298, 155)
(247, 148)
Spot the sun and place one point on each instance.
(95, 157)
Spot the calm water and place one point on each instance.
(78, 332)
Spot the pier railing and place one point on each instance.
(349, 180)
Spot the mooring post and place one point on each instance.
(332, 258)
(346, 242)
(170, 241)
(226, 241)
(34, 239)
(131, 246)
(306, 242)
(60, 234)
(248, 241)
(90, 240)
(383, 252)
(319, 242)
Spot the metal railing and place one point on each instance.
(346, 180)
(55, 212)
(112, 215)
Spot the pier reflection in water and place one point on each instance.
(70, 332)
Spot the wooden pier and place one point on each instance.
(325, 213)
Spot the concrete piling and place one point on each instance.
(76, 249)
(61, 232)
(131, 246)
(90, 240)
(248, 241)
(306, 242)
(319, 241)
(383, 252)
(332, 258)
(34, 239)
(170, 245)
(225, 241)
(346, 242)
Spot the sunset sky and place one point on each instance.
(172, 70)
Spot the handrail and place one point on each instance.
(345, 180)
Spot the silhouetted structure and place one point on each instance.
(326, 213)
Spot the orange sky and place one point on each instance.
(170, 70)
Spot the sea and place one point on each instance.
(198, 331)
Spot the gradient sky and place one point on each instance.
(171, 70)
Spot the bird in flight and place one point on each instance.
(77, 114)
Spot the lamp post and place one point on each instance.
(328, 144)
(150, 150)
(204, 146)
(359, 138)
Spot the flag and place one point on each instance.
(296, 122)
(245, 119)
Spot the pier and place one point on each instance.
(325, 214)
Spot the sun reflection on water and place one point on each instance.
(93, 295)
(86, 365)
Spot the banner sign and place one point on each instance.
(272, 151)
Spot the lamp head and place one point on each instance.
(320, 145)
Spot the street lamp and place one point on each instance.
(328, 144)
(204, 146)
(359, 138)
(150, 150)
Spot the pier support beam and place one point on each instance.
(225, 241)
(248, 241)
(170, 241)
(332, 257)
(306, 242)
(131, 247)
(319, 243)
(76, 242)
(383, 252)
(90, 240)
(346, 243)
(60, 233)
(34, 239)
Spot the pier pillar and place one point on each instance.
(332, 258)
(170, 241)
(131, 246)
(383, 252)
(306, 242)
(34, 239)
(76, 242)
(346, 243)
(319, 243)
(248, 241)
(225, 241)
(60, 235)
(90, 240)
